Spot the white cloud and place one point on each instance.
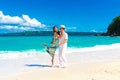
(16, 28)
(6, 19)
(25, 20)
(25, 28)
(93, 30)
(31, 22)
(8, 27)
(71, 28)
(1, 14)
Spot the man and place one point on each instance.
(62, 47)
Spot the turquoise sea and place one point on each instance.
(24, 43)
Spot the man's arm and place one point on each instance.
(65, 41)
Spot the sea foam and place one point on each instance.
(33, 53)
(95, 48)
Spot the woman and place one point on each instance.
(52, 48)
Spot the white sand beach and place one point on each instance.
(109, 70)
(89, 65)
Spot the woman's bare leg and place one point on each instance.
(52, 60)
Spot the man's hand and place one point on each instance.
(58, 44)
(65, 41)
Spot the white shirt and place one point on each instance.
(63, 37)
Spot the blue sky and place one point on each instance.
(77, 15)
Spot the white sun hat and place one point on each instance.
(62, 26)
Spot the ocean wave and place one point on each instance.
(19, 54)
(32, 53)
(95, 48)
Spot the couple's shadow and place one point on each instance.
(38, 65)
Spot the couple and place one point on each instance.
(59, 39)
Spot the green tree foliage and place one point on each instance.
(114, 27)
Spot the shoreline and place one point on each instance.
(35, 53)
